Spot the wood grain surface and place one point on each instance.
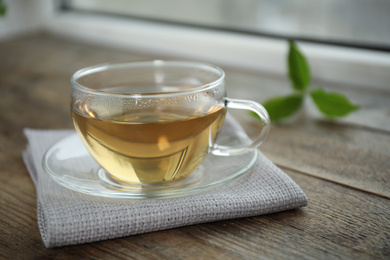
(343, 167)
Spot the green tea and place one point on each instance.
(149, 147)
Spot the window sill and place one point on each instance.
(333, 65)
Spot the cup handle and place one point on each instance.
(221, 150)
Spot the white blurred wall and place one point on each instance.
(24, 16)
(331, 64)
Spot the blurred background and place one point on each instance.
(357, 23)
(339, 37)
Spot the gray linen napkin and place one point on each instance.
(67, 217)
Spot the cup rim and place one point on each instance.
(154, 63)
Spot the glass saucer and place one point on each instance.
(69, 163)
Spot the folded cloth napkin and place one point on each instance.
(67, 217)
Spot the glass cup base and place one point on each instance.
(145, 188)
(78, 171)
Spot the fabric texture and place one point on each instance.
(67, 217)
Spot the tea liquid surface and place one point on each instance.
(149, 147)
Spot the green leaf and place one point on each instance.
(3, 8)
(282, 107)
(332, 104)
(298, 68)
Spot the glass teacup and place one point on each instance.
(154, 122)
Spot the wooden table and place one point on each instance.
(343, 167)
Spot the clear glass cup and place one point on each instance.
(155, 122)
